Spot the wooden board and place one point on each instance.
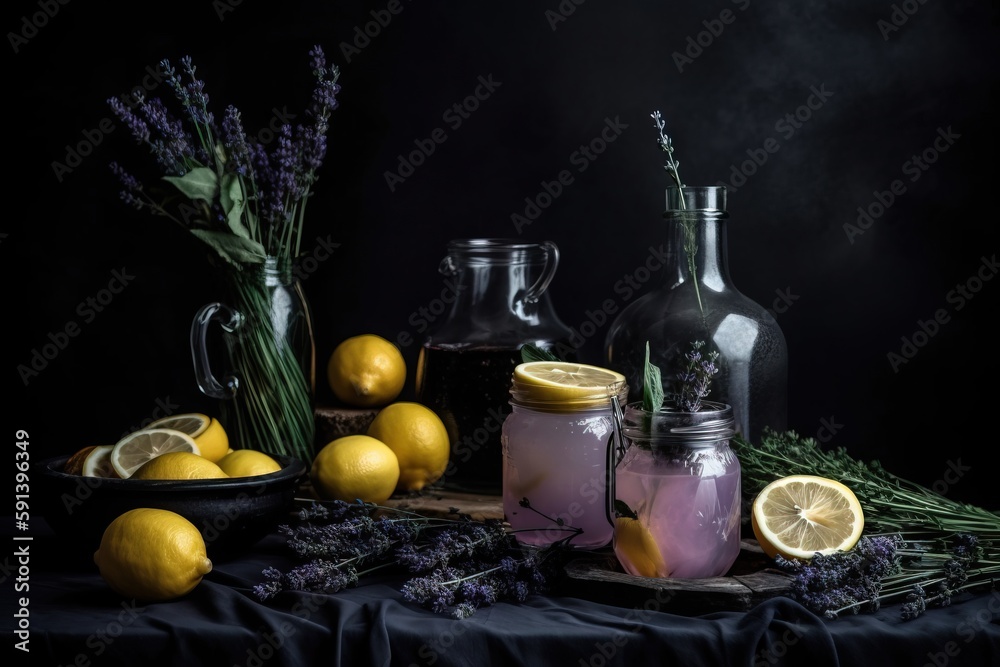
(751, 580)
(597, 576)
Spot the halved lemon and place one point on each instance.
(146, 444)
(565, 380)
(636, 549)
(799, 516)
(74, 464)
(207, 432)
(98, 463)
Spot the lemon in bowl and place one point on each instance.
(248, 463)
(232, 513)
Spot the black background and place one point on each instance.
(891, 91)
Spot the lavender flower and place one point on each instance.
(693, 382)
(233, 185)
(456, 565)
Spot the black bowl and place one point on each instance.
(232, 514)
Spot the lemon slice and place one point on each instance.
(74, 464)
(146, 444)
(799, 516)
(636, 549)
(207, 432)
(566, 381)
(98, 463)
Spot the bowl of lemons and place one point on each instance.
(183, 464)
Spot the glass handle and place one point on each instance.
(548, 271)
(230, 320)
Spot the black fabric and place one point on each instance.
(76, 619)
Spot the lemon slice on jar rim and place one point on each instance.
(566, 381)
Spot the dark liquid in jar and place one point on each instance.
(469, 388)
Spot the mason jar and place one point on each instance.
(558, 463)
(679, 487)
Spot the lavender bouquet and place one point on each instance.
(245, 199)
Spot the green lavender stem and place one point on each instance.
(273, 407)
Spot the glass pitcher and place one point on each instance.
(465, 367)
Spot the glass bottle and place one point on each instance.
(501, 302)
(267, 394)
(558, 456)
(698, 301)
(682, 481)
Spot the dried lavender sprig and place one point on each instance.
(693, 382)
(466, 564)
(672, 167)
(886, 567)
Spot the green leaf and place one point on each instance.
(232, 200)
(652, 386)
(234, 249)
(622, 509)
(530, 352)
(199, 183)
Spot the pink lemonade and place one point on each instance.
(558, 462)
(691, 508)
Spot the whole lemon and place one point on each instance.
(179, 465)
(355, 467)
(366, 371)
(418, 437)
(247, 463)
(152, 555)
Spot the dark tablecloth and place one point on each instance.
(76, 620)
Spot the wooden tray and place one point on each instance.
(598, 577)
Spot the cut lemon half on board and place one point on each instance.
(207, 432)
(146, 444)
(98, 463)
(564, 380)
(799, 516)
